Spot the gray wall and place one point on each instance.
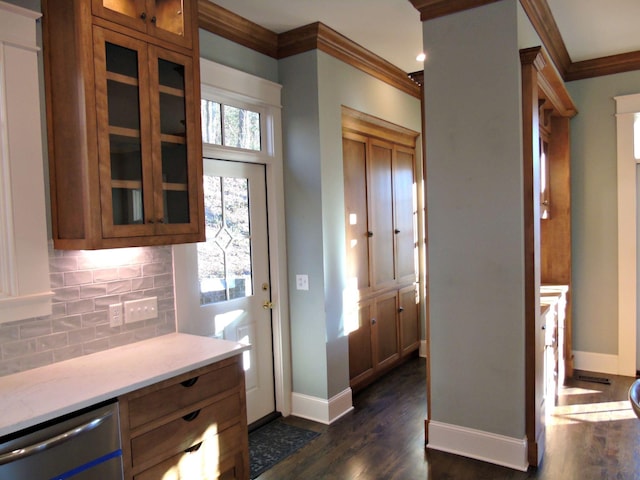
(220, 50)
(315, 86)
(475, 223)
(29, 4)
(594, 215)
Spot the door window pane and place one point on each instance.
(224, 259)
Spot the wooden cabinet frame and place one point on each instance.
(79, 164)
(381, 229)
(541, 86)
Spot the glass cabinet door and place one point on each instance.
(167, 19)
(123, 133)
(132, 13)
(169, 16)
(174, 178)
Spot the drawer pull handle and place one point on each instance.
(189, 383)
(194, 448)
(191, 416)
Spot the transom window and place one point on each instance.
(230, 126)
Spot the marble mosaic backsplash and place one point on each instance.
(84, 284)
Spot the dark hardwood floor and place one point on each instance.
(592, 434)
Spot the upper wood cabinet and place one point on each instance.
(124, 126)
(165, 19)
(380, 212)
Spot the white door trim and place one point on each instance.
(230, 83)
(627, 109)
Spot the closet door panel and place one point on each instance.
(405, 215)
(360, 348)
(386, 329)
(381, 213)
(408, 319)
(354, 150)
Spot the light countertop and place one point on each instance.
(34, 396)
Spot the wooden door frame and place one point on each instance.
(539, 81)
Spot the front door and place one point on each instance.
(222, 284)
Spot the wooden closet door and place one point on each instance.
(405, 214)
(381, 213)
(385, 329)
(354, 148)
(408, 319)
(361, 362)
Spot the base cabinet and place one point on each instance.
(191, 426)
(388, 332)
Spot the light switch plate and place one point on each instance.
(302, 282)
(138, 310)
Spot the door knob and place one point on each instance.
(267, 305)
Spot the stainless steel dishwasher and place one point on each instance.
(81, 446)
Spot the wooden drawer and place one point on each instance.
(222, 456)
(168, 399)
(182, 433)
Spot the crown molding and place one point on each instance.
(223, 22)
(624, 62)
(319, 36)
(545, 25)
(430, 9)
(231, 26)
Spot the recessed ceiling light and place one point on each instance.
(421, 57)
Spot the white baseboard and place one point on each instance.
(423, 348)
(595, 362)
(319, 409)
(485, 446)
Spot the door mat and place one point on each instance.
(274, 442)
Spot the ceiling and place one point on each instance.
(392, 29)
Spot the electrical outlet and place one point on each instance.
(302, 282)
(138, 310)
(115, 315)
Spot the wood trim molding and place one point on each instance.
(319, 36)
(550, 84)
(623, 62)
(231, 26)
(532, 62)
(363, 123)
(545, 25)
(430, 9)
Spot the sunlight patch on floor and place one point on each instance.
(591, 412)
